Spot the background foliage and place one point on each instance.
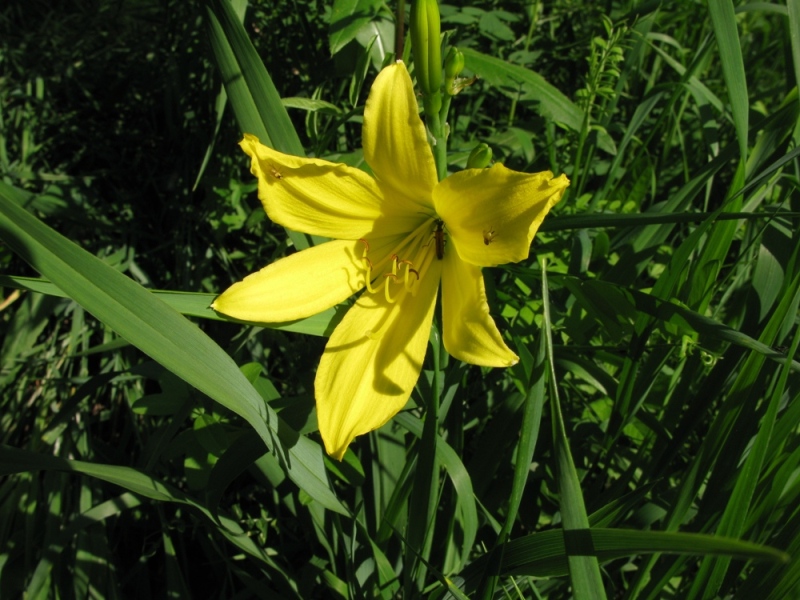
(657, 395)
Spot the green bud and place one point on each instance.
(453, 64)
(426, 45)
(480, 157)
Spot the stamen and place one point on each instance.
(406, 281)
(275, 173)
(367, 265)
(368, 276)
(387, 279)
(393, 276)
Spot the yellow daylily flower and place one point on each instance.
(398, 235)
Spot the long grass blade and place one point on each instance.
(159, 331)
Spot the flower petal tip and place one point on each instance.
(562, 181)
(337, 453)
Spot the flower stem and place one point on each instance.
(423, 501)
(400, 29)
(436, 120)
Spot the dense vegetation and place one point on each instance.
(649, 435)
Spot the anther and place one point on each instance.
(394, 258)
(275, 173)
(367, 265)
(409, 269)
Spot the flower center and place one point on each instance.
(408, 261)
(438, 238)
(402, 270)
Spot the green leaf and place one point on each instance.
(584, 569)
(159, 331)
(312, 105)
(459, 477)
(192, 304)
(794, 36)
(13, 460)
(723, 20)
(544, 554)
(531, 87)
(347, 18)
(252, 94)
(671, 313)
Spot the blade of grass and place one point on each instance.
(458, 474)
(723, 20)
(584, 569)
(543, 554)
(794, 36)
(252, 94)
(254, 98)
(160, 332)
(529, 434)
(550, 102)
(712, 571)
(192, 304)
(13, 460)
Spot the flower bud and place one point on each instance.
(480, 157)
(426, 45)
(454, 63)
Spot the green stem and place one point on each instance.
(423, 502)
(534, 15)
(399, 31)
(435, 120)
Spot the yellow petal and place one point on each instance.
(297, 286)
(318, 197)
(372, 362)
(470, 333)
(492, 214)
(395, 142)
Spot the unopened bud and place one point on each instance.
(426, 44)
(480, 157)
(454, 63)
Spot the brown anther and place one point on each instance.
(365, 242)
(392, 275)
(369, 262)
(414, 271)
